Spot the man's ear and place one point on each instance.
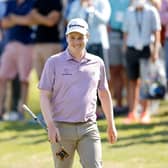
(87, 36)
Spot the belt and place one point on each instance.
(74, 123)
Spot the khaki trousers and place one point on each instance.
(83, 138)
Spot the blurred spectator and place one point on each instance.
(17, 54)
(2, 9)
(164, 19)
(158, 4)
(45, 17)
(141, 22)
(67, 8)
(116, 55)
(154, 105)
(13, 92)
(2, 13)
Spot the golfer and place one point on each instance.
(68, 87)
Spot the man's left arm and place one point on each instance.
(106, 102)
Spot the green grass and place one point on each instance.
(25, 145)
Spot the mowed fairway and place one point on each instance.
(24, 144)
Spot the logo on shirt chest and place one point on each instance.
(66, 71)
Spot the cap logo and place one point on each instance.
(78, 25)
(75, 25)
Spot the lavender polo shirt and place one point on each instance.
(74, 86)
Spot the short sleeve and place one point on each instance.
(103, 84)
(48, 76)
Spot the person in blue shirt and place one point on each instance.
(116, 55)
(141, 23)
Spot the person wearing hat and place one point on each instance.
(141, 29)
(68, 93)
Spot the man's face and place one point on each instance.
(76, 41)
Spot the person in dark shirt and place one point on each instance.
(17, 55)
(45, 17)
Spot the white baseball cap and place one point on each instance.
(139, 3)
(77, 25)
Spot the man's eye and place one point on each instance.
(80, 38)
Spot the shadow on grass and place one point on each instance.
(35, 141)
(6, 139)
(141, 138)
(142, 127)
(123, 127)
(22, 130)
(19, 126)
(160, 115)
(134, 134)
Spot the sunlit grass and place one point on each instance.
(25, 145)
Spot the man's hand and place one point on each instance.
(53, 134)
(112, 134)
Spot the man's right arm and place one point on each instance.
(45, 106)
(53, 132)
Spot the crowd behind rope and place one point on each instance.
(36, 28)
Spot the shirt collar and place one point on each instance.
(86, 57)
